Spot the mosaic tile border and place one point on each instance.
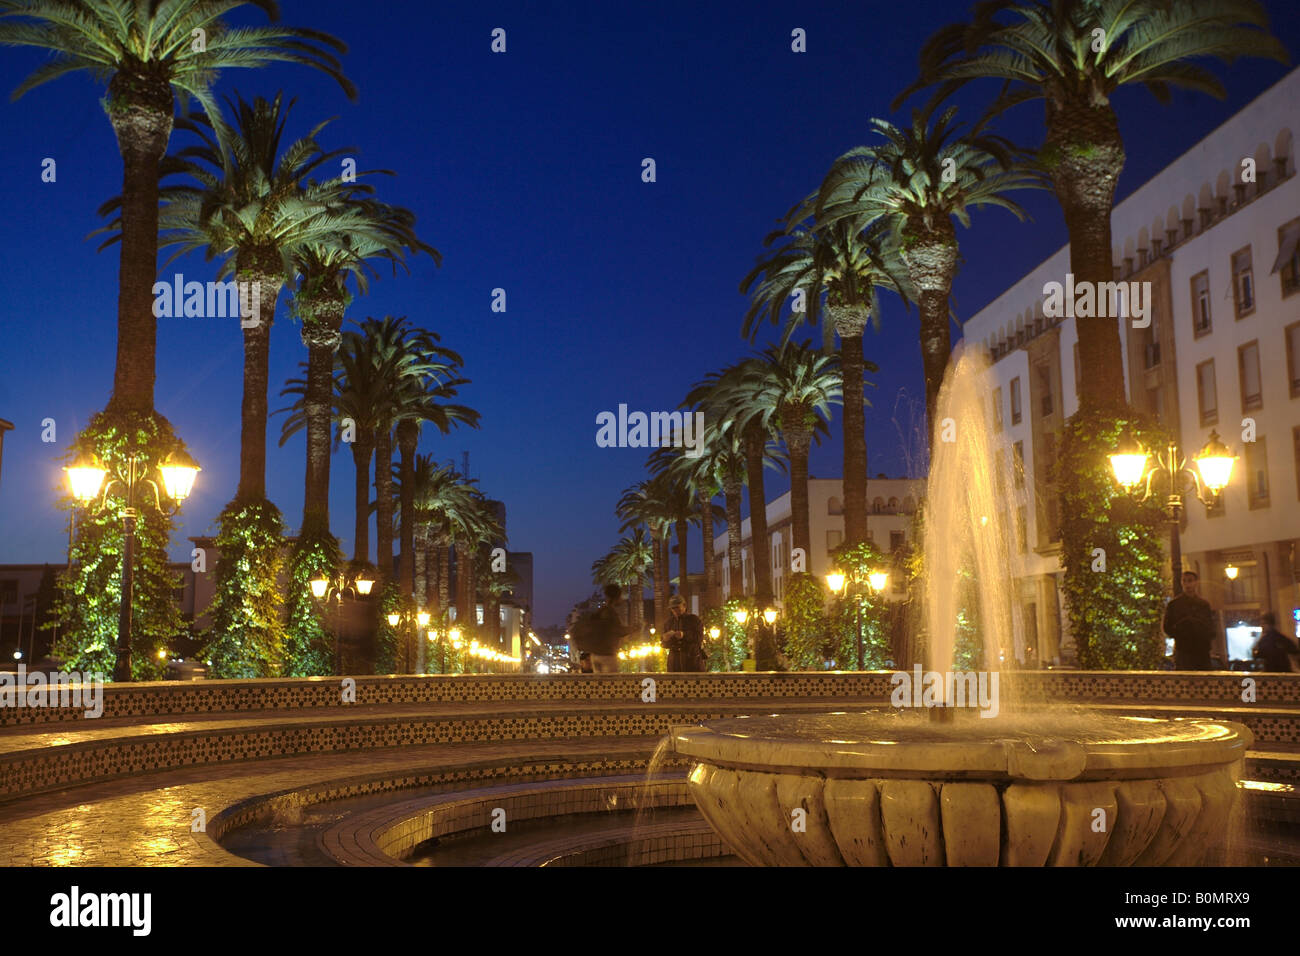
(220, 697)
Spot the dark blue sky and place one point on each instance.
(524, 169)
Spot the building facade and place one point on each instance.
(891, 503)
(1214, 239)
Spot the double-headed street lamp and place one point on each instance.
(741, 616)
(86, 479)
(443, 637)
(842, 585)
(415, 621)
(325, 589)
(1213, 469)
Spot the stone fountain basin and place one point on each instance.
(1050, 787)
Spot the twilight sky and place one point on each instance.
(524, 169)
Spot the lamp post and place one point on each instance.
(741, 617)
(86, 474)
(323, 589)
(1213, 470)
(413, 620)
(843, 585)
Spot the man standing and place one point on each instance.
(683, 638)
(609, 633)
(1274, 648)
(1189, 620)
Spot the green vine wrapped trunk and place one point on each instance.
(91, 596)
(248, 627)
(1112, 547)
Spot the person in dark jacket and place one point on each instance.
(683, 637)
(1274, 648)
(1189, 620)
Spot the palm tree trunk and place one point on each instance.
(760, 546)
(465, 585)
(321, 335)
(444, 576)
(683, 571)
(140, 110)
(660, 572)
(849, 321)
(253, 410)
(930, 255)
(363, 449)
(709, 597)
(732, 489)
(1086, 155)
(384, 502)
(798, 439)
(408, 436)
(421, 597)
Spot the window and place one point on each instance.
(1045, 383)
(1257, 473)
(1243, 283)
(834, 506)
(834, 539)
(1288, 257)
(892, 507)
(1293, 358)
(1018, 464)
(997, 408)
(1201, 304)
(895, 540)
(1206, 395)
(878, 506)
(1015, 400)
(1248, 366)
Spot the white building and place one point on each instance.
(1216, 235)
(891, 507)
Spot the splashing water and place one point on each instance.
(971, 553)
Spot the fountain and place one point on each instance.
(957, 773)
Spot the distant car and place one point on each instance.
(186, 670)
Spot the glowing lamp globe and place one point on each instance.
(1129, 462)
(422, 617)
(740, 614)
(318, 586)
(179, 471)
(454, 634)
(1231, 572)
(393, 619)
(835, 581)
(878, 580)
(364, 584)
(1215, 462)
(85, 476)
(769, 615)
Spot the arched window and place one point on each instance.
(834, 506)
(893, 506)
(878, 506)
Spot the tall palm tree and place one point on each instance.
(631, 559)
(1074, 55)
(919, 179)
(792, 388)
(144, 51)
(643, 505)
(366, 230)
(846, 263)
(705, 475)
(255, 206)
(677, 495)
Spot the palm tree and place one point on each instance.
(254, 205)
(366, 230)
(792, 387)
(643, 505)
(919, 179)
(705, 475)
(678, 498)
(144, 51)
(846, 262)
(631, 559)
(1074, 55)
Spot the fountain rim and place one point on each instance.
(1215, 743)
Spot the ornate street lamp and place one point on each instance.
(1213, 470)
(327, 589)
(843, 585)
(86, 474)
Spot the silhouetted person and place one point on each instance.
(1189, 620)
(683, 637)
(1274, 648)
(609, 633)
(584, 663)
